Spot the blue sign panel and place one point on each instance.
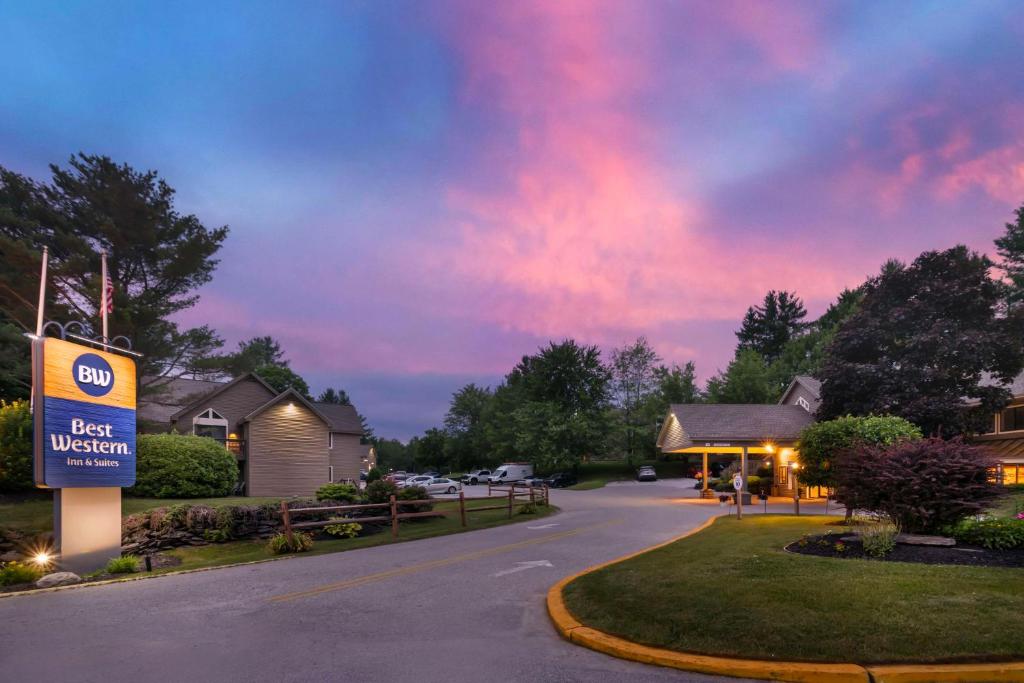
(85, 444)
(84, 428)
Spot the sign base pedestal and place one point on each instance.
(87, 527)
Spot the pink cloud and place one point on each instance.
(588, 234)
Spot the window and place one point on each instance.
(1012, 419)
(1012, 474)
(210, 423)
(991, 428)
(330, 473)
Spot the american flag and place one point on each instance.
(109, 291)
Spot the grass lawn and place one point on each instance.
(732, 590)
(594, 475)
(1010, 505)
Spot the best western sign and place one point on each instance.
(84, 416)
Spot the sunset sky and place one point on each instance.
(419, 193)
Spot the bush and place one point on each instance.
(342, 493)
(15, 447)
(822, 442)
(995, 534)
(348, 530)
(373, 475)
(279, 544)
(414, 493)
(528, 509)
(183, 466)
(380, 491)
(879, 539)
(922, 486)
(17, 572)
(126, 564)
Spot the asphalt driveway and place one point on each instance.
(467, 607)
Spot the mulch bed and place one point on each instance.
(824, 545)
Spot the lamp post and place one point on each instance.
(793, 467)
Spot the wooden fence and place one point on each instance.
(512, 496)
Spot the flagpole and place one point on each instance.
(42, 293)
(103, 297)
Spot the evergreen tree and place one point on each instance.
(338, 397)
(1011, 248)
(158, 259)
(767, 328)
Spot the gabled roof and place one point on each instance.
(343, 418)
(696, 423)
(163, 402)
(290, 394)
(217, 392)
(813, 386)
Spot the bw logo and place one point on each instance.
(93, 374)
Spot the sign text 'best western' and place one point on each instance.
(85, 416)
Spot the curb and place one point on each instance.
(577, 633)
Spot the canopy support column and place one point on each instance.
(743, 469)
(705, 479)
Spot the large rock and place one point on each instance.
(917, 539)
(58, 579)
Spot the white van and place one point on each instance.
(511, 472)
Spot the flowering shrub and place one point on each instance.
(348, 530)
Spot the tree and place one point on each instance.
(254, 353)
(281, 377)
(466, 437)
(923, 340)
(338, 397)
(677, 385)
(767, 328)
(822, 442)
(552, 408)
(428, 451)
(745, 380)
(158, 258)
(392, 454)
(634, 380)
(1011, 248)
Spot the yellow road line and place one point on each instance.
(425, 566)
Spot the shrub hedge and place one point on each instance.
(997, 534)
(15, 447)
(183, 466)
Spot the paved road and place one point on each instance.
(446, 609)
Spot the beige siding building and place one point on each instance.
(285, 445)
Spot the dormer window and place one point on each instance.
(210, 423)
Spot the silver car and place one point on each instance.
(418, 480)
(441, 485)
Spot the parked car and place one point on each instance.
(510, 472)
(431, 473)
(534, 482)
(441, 485)
(397, 477)
(477, 477)
(646, 473)
(417, 480)
(561, 480)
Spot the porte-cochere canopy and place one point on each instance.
(728, 428)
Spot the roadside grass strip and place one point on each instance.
(435, 564)
(731, 601)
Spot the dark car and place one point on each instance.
(561, 480)
(646, 473)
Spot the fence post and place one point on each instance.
(287, 521)
(547, 495)
(462, 507)
(394, 519)
(511, 492)
(531, 496)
